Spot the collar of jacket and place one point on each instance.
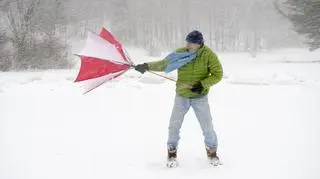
(200, 50)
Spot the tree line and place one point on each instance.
(38, 34)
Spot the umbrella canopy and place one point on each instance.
(102, 59)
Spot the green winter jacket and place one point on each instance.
(205, 68)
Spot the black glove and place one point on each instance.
(197, 88)
(141, 68)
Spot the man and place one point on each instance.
(198, 70)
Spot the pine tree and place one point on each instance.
(305, 17)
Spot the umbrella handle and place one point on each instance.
(132, 66)
(162, 76)
(165, 77)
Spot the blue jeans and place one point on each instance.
(201, 108)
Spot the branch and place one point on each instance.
(276, 6)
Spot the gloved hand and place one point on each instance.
(197, 88)
(141, 67)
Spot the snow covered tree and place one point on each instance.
(305, 17)
(29, 29)
(19, 22)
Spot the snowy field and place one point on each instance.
(266, 114)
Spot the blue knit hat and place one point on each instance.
(195, 37)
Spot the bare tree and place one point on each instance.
(30, 29)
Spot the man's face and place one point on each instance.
(192, 47)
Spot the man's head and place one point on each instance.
(194, 41)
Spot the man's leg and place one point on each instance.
(180, 108)
(202, 110)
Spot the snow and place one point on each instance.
(266, 115)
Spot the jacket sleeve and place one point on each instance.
(158, 65)
(215, 69)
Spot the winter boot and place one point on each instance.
(172, 157)
(212, 156)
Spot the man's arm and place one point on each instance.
(158, 65)
(162, 64)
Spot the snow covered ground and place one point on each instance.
(266, 114)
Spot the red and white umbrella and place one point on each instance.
(102, 59)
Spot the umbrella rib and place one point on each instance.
(99, 84)
(103, 59)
